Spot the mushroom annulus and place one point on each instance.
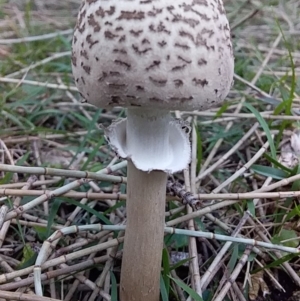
(151, 57)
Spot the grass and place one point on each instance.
(246, 153)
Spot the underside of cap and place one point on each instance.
(150, 141)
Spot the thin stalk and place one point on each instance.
(141, 263)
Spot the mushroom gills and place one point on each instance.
(151, 139)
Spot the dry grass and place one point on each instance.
(243, 181)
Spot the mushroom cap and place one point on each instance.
(174, 55)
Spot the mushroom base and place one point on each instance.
(152, 140)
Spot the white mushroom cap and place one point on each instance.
(152, 53)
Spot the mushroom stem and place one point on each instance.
(141, 263)
(147, 134)
(155, 144)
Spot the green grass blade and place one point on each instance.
(90, 210)
(166, 270)
(187, 289)
(265, 127)
(114, 287)
(269, 171)
(276, 263)
(163, 290)
(52, 214)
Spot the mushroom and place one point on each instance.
(150, 56)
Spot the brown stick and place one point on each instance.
(141, 263)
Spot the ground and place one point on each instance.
(243, 178)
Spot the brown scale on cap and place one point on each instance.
(167, 54)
